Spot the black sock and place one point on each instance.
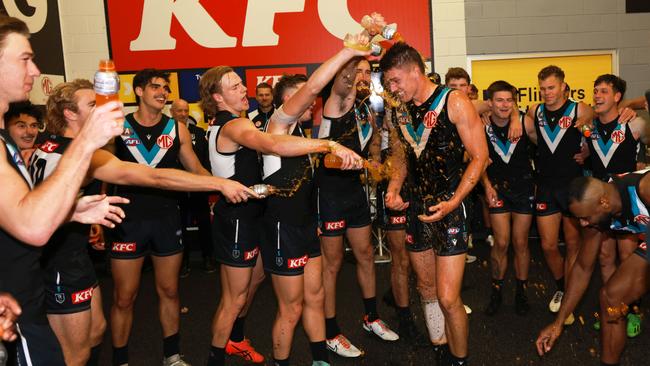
(93, 360)
(560, 284)
(277, 362)
(331, 328)
(237, 333)
(441, 351)
(521, 286)
(497, 285)
(404, 313)
(171, 345)
(457, 361)
(217, 356)
(370, 305)
(120, 355)
(319, 351)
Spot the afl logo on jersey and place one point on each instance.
(642, 219)
(132, 142)
(430, 119)
(618, 136)
(165, 141)
(565, 122)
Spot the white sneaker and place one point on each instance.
(342, 347)
(380, 329)
(175, 360)
(470, 258)
(556, 302)
(490, 240)
(468, 310)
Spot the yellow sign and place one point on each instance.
(197, 113)
(580, 73)
(127, 92)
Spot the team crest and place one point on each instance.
(279, 261)
(430, 119)
(618, 136)
(127, 132)
(59, 297)
(565, 122)
(236, 253)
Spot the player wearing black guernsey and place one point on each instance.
(45, 207)
(441, 125)
(73, 300)
(234, 143)
(622, 206)
(265, 109)
(509, 192)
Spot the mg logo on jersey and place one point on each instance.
(165, 141)
(48, 146)
(251, 254)
(430, 119)
(565, 122)
(541, 206)
(132, 142)
(618, 136)
(336, 225)
(396, 220)
(82, 296)
(453, 231)
(297, 262)
(124, 247)
(642, 219)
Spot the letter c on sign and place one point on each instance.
(336, 18)
(34, 22)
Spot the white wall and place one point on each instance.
(449, 41)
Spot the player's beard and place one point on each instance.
(363, 89)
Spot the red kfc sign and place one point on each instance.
(397, 220)
(82, 296)
(297, 262)
(184, 34)
(124, 247)
(251, 254)
(336, 225)
(269, 76)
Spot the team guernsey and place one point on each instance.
(152, 223)
(557, 142)
(510, 173)
(69, 273)
(634, 216)
(342, 201)
(613, 149)
(290, 219)
(235, 227)
(261, 119)
(434, 157)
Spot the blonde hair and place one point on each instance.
(209, 84)
(62, 98)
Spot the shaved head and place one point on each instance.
(180, 110)
(590, 200)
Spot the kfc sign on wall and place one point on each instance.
(184, 34)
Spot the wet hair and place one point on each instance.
(143, 77)
(499, 86)
(618, 85)
(63, 97)
(551, 70)
(209, 84)
(457, 73)
(27, 108)
(9, 25)
(401, 54)
(286, 82)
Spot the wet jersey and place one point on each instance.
(557, 142)
(71, 237)
(510, 160)
(634, 215)
(157, 147)
(242, 166)
(613, 149)
(20, 270)
(293, 175)
(352, 130)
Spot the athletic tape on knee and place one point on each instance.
(280, 116)
(435, 319)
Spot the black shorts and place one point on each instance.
(36, 345)
(389, 220)
(340, 211)
(446, 237)
(286, 248)
(136, 237)
(519, 198)
(551, 199)
(236, 241)
(69, 284)
(641, 250)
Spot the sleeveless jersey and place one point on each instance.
(352, 130)
(510, 160)
(20, 270)
(634, 215)
(242, 166)
(292, 174)
(260, 119)
(156, 146)
(612, 148)
(557, 142)
(72, 237)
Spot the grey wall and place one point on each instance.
(513, 26)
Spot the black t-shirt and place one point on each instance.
(613, 149)
(510, 160)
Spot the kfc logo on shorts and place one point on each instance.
(82, 296)
(541, 206)
(642, 219)
(430, 119)
(565, 122)
(643, 246)
(453, 230)
(132, 142)
(409, 239)
(336, 225)
(252, 254)
(618, 136)
(165, 141)
(397, 220)
(124, 247)
(48, 146)
(293, 263)
(498, 204)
